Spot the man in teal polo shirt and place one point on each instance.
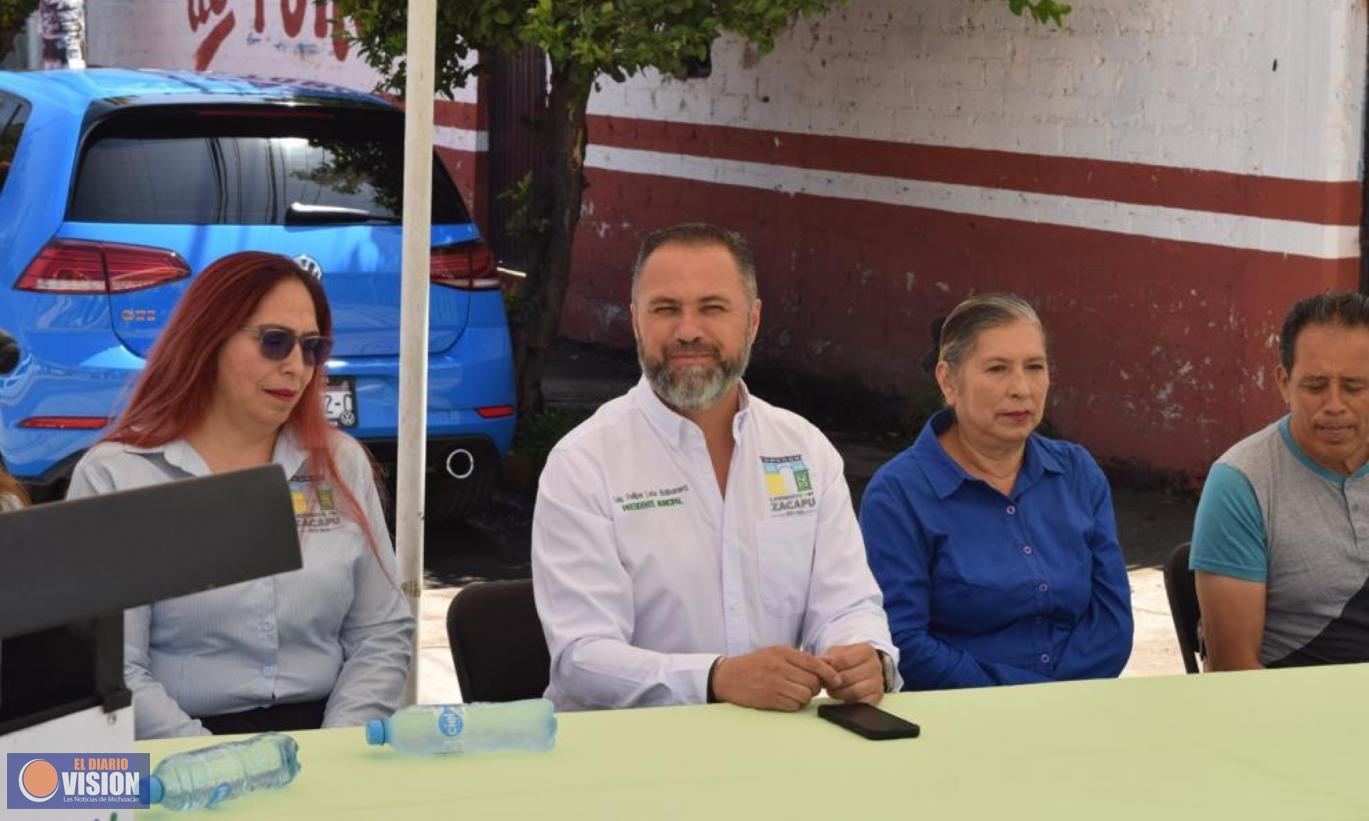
(1281, 540)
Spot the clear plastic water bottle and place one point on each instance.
(207, 777)
(428, 729)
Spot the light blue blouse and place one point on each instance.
(338, 629)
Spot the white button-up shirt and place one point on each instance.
(645, 573)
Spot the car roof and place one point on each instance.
(75, 91)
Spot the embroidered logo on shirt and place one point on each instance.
(322, 515)
(649, 499)
(788, 483)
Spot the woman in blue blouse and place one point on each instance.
(996, 547)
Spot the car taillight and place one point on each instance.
(65, 422)
(469, 266)
(68, 266)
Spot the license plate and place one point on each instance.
(340, 402)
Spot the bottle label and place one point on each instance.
(449, 722)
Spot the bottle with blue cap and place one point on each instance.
(210, 776)
(438, 729)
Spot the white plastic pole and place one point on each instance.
(413, 322)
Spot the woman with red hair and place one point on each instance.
(235, 381)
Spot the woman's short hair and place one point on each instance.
(977, 314)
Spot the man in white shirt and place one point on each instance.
(691, 542)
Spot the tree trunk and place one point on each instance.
(540, 313)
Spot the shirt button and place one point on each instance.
(1012, 509)
(268, 670)
(1045, 658)
(1027, 550)
(1043, 587)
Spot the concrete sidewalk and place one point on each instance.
(1149, 524)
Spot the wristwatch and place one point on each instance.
(890, 671)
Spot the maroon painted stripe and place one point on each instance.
(1324, 203)
(454, 114)
(1161, 352)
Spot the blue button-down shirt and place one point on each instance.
(983, 588)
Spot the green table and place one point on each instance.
(1288, 744)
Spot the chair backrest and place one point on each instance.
(1183, 606)
(497, 642)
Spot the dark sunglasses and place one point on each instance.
(278, 343)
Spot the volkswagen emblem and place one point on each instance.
(310, 266)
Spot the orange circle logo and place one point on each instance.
(38, 780)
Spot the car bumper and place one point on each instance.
(476, 372)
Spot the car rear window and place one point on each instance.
(13, 115)
(249, 166)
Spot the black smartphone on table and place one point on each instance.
(869, 722)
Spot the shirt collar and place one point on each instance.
(946, 475)
(179, 454)
(673, 426)
(1328, 475)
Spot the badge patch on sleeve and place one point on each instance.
(788, 483)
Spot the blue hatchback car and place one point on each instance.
(117, 187)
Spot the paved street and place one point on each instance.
(495, 545)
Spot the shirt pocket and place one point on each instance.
(784, 555)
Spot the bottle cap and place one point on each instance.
(155, 790)
(375, 731)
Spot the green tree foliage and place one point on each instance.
(585, 40)
(1044, 11)
(13, 15)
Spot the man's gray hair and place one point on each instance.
(978, 314)
(700, 233)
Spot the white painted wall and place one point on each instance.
(1183, 83)
(159, 34)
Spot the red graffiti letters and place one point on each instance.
(219, 19)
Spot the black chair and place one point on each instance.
(1183, 606)
(497, 642)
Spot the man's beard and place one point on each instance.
(694, 387)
